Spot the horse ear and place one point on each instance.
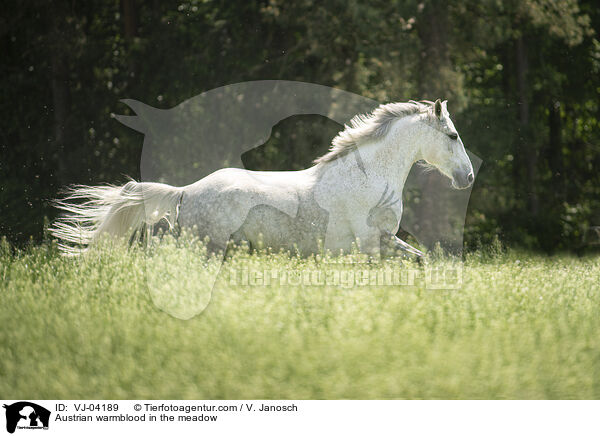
(438, 108)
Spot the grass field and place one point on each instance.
(521, 326)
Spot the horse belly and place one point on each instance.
(229, 205)
(268, 226)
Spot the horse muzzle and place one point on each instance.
(462, 180)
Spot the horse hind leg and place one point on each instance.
(237, 241)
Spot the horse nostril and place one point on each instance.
(470, 177)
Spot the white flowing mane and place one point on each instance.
(369, 126)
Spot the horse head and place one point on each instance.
(443, 148)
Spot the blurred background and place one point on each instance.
(522, 79)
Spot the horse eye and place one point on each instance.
(453, 136)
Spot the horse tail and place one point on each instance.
(121, 211)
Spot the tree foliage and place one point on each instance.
(522, 79)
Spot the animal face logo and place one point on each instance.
(26, 415)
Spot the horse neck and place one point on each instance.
(392, 156)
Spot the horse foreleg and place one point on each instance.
(399, 245)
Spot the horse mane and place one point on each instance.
(373, 125)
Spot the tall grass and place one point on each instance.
(520, 326)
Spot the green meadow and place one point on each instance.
(520, 326)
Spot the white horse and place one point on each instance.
(352, 195)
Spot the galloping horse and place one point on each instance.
(353, 194)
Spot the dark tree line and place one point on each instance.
(522, 79)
